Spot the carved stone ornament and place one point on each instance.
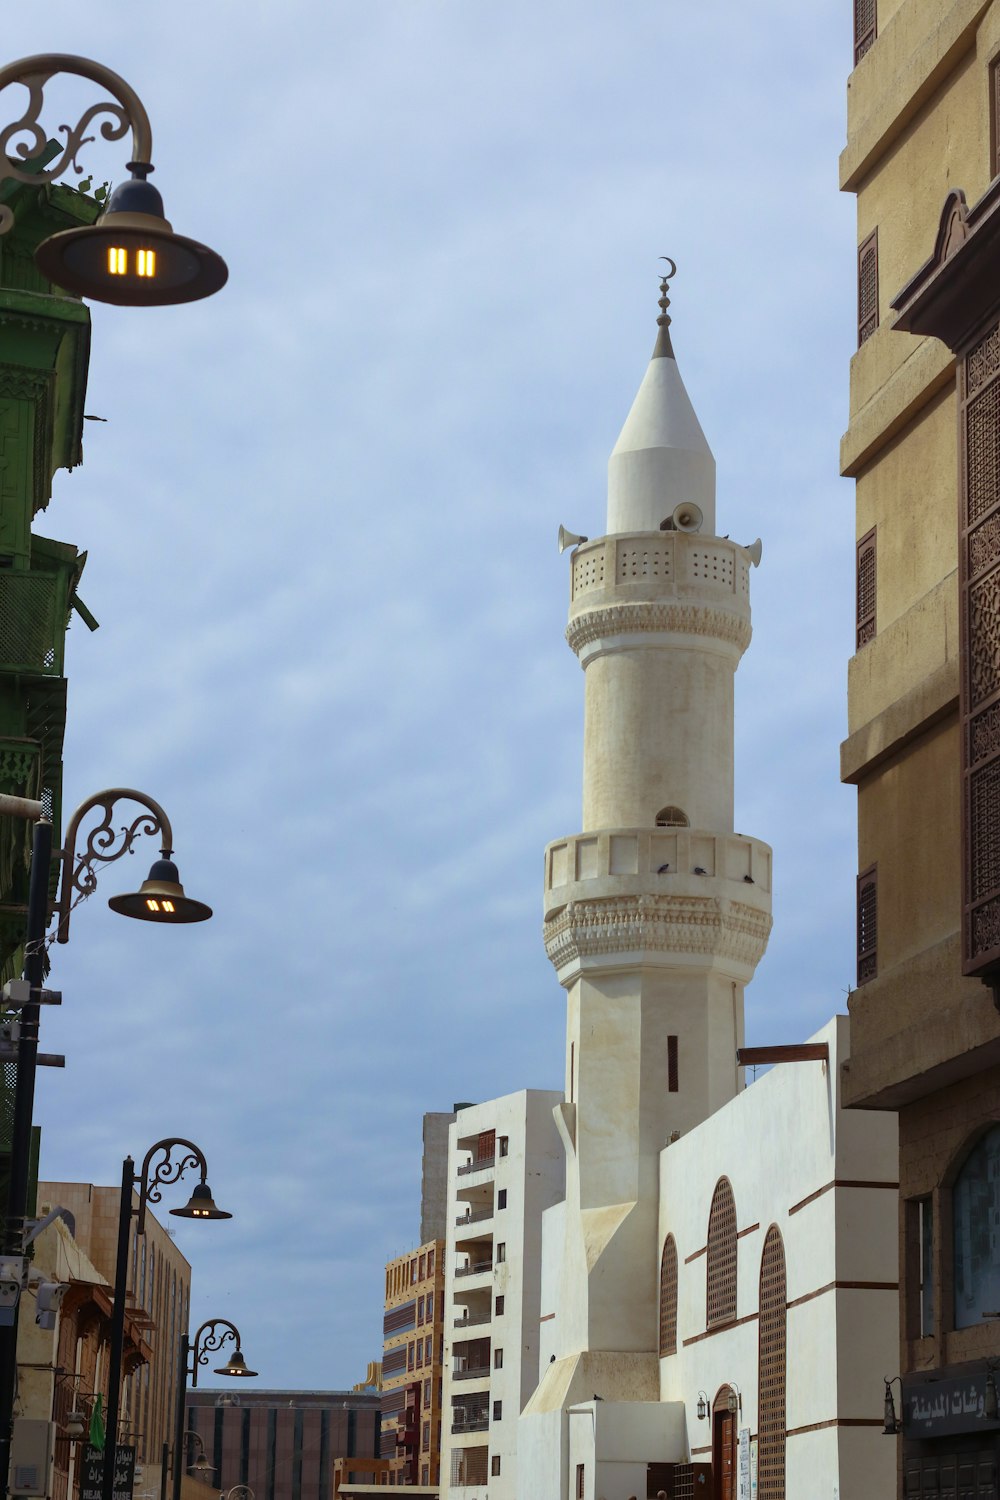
(722, 625)
(704, 925)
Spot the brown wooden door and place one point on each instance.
(724, 1455)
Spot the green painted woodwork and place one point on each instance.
(44, 354)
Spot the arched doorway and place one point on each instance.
(724, 1445)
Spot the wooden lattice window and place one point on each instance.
(486, 1145)
(673, 1068)
(979, 623)
(867, 288)
(668, 1297)
(865, 595)
(867, 924)
(720, 1300)
(865, 20)
(771, 1362)
(995, 117)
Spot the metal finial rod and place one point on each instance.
(664, 300)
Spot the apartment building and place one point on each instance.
(923, 744)
(412, 1367)
(505, 1168)
(282, 1445)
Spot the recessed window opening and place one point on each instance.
(672, 817)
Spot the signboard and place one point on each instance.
(744, 1463)
(753, 1470)
(942, 1408)
(92, 1473)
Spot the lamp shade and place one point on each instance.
(201, 1205)
(235, 1365)
(161, 898)
(201, 1468)
(131, 256)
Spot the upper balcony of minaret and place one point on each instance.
(679, 587)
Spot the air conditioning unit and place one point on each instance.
(31, 1456)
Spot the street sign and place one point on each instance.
(92, 1477)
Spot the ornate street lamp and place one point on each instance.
(161, 896)
(160, 1168)
(201, 1468)
(211, 1336)
(164, 893)
(131, 256)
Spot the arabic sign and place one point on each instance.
(744, 1460)
(939, 1408)
(92, 1476)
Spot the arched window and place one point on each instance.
(771, 1369)
(672, 817)
(721, 1274)
(668, 1297)
(976, 1221)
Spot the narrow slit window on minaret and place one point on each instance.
(672, 1082)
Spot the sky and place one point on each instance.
(321, 521)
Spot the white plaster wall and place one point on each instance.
(780, 1141)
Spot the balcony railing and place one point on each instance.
(476, 1322)
(475, 1268)
(475, 1218)
(471, 1372)
(473, 1424)
(477, 1166)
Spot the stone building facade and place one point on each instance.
(923, 749)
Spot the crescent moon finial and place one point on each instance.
(664, 300)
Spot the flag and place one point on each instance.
(97, 1425)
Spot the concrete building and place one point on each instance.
(413, 1366)
(923, 135)
(159, 1296)
(723, 1255)
(282, 1444)
(505, 1168)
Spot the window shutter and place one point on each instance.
(771, 1365)
(979, 624)
(865, 597)
(867, 288)
(864, 27)
(867, 924)
(668, 1297)
(720, 1298)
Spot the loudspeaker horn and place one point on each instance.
(754, 550)
(687, 516)
(569, 539)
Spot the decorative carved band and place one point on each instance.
(659, 924)
(644, 618)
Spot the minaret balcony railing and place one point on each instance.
(656, 861)
(659, 564)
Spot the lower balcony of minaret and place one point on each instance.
(670, 897)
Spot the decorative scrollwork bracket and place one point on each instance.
(213, 1340)
(160, 1168)
(79, 878)
(126, 112)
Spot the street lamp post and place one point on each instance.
(131, 256)
(160, 898)
(211, 1336)
(160, 1168)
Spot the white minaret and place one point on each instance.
(657, 914)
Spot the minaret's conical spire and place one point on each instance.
(661, 458)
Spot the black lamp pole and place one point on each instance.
(194, 1352)
(160, 1167)
(24, 1103)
